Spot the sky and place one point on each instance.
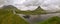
(52, 5)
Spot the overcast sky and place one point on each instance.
(32, 4)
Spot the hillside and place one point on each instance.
(8, 17)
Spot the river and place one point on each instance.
(37, 18)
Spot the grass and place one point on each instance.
(7, 17)
(53, 20)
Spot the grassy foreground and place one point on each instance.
(7, 17)
(52, 20)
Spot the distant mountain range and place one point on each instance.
(12, 8)
(37, 11)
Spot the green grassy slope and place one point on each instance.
(7, 17)
(53, 20)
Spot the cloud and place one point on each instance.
(25, 4)
(51, 5)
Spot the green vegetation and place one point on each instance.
(8, 17)
(53, 20)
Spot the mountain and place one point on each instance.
(39, 10)
(9, 7)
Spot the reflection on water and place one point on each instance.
(37, 18)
